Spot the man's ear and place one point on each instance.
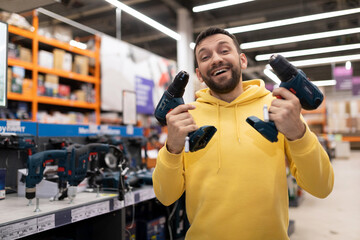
(198, 74)
(243, 61)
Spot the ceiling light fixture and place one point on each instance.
(290, 21)
(327, 60)
(307, 52)
(145, 19)
(216, 5)
(277, 81)
(299, 38)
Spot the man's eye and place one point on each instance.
(204, 58)
(225, 51)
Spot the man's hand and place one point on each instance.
(286, 114)
(180, 123)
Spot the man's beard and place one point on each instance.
(230, 83)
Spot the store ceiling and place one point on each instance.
(101, 16)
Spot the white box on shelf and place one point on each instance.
(46, 59)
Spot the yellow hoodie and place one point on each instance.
(236, 187)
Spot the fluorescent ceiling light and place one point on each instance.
(324, 83)
(272, 75)
(306, 52)
(299, 38)
(290, 21)
(277, 81)
(145, 19)
(220, 4)
(322, 61)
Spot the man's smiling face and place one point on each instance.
(219, 63)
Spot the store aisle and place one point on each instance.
(336, 217)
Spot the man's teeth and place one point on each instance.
(219, 71)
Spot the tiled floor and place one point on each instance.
(336, 217)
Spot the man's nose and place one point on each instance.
(216, 59)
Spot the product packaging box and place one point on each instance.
(81, 65)
(58, 58)
(25, 54)
(2, 182)
(46, 59)
(67, 62)
(64, 91)
(51, 85)
(18, 75)
(153, 229)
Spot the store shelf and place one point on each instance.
(19, 63)
(70, 75)
(33, 66)
(19, 220)
(21, 32)
(66, 46)
(65, 102)
(19, 97)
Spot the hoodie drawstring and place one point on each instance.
(237, 124)
(218, 144)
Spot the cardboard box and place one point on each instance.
(80, 95)
(27, 87)
(64, 91)
(18, 75)
(51, 85)
(62, 33)
(58, 58)
(67, 62)
(81, 65)
(46, 59)
(25, 54)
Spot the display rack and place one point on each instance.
(19, 220)
(34, 67)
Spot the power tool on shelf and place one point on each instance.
(172, 98)
(295, 80)
(18, 141)
(36, 164)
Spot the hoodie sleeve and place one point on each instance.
(168, 177)
(310, 165)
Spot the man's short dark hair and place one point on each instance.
(212, 31)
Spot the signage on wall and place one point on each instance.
(144, 95)
(343, 78)
(356, 86)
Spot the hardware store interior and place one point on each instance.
(86, 86)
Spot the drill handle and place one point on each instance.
(36, 164)
(166, 104)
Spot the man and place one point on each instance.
(236, 187)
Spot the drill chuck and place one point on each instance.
(283, 68)
(177, 87)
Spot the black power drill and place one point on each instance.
(294, 80)
(172, 98)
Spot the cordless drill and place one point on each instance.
(172, 98)
(36, 164)
(295, 80)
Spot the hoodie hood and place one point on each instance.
(252, 90)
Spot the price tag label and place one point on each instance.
(46, 222)
(28, 227)
(78, 214)
(129, 199)
(118, 204)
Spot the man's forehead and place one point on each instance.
(215, 39)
